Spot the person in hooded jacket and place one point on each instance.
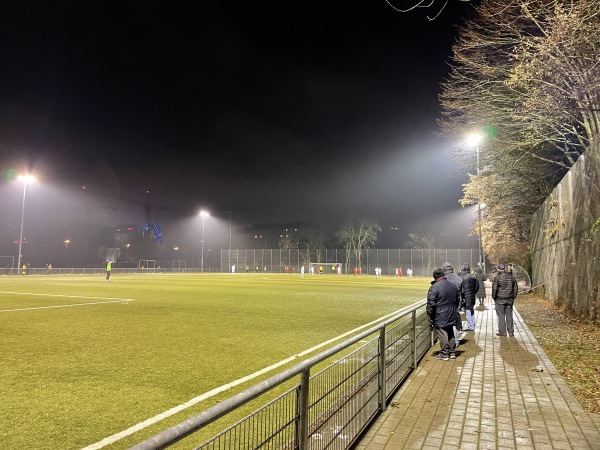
(443, 299)
(481, 278)
(469, 289)
(504, 292)
(457, 280)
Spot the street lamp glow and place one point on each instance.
(25, 179)
(204, 214)
(473, 139)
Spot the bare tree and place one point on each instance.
(356, 237)
(426, 239)
(314, 239)
(527, 72)
(288, 242)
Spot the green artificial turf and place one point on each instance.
(73, 375)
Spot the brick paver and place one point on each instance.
(499, 393)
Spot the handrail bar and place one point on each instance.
(183, 429)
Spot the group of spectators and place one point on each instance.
(450, 293)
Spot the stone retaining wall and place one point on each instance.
(566, 240)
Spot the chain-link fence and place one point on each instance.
(421, 261)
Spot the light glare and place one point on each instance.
(473, 139)
(27, 179)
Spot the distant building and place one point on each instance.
(268, 235)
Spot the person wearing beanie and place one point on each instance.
(443, 298)
(453, 277)
(469, 289)
(504, 292)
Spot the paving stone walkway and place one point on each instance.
(500, 393)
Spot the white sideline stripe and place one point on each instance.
(108, 300)
(151, 421)
(65, 296)
(125, 300)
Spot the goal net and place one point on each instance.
(7, 262)
(326, 268)
(147, 265)
(179, 265)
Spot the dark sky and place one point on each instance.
(274, 111)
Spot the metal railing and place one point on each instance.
(328, 410)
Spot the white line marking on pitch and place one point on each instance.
(170, 412)
(67, 306)
(108, 300)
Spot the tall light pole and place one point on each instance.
(204, 215)
(25, 179)
(474, 140)
(229, 266)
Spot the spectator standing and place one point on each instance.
(493, 274)
(469, 289)
(454, 278)
(504, 292)
(443, 298)
(481, 278)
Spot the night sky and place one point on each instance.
(318, 112)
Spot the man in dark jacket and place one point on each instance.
(469, 289)
(504, 292)
(454, 278)
(442, 306)
(481, 278)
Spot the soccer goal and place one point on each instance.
(7, 261)
(147, 265)
(326, 268)
(179, 265)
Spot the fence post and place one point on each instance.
(413, 333)
(382, 374)
(303, 404)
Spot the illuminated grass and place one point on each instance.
(73, 375)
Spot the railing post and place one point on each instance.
(413, 333)
(303, 404)
(382, 375)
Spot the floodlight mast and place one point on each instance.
(229, 259)
(474, 139)
(25, 179)
(204, 214)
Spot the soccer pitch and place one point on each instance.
(84, 359)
